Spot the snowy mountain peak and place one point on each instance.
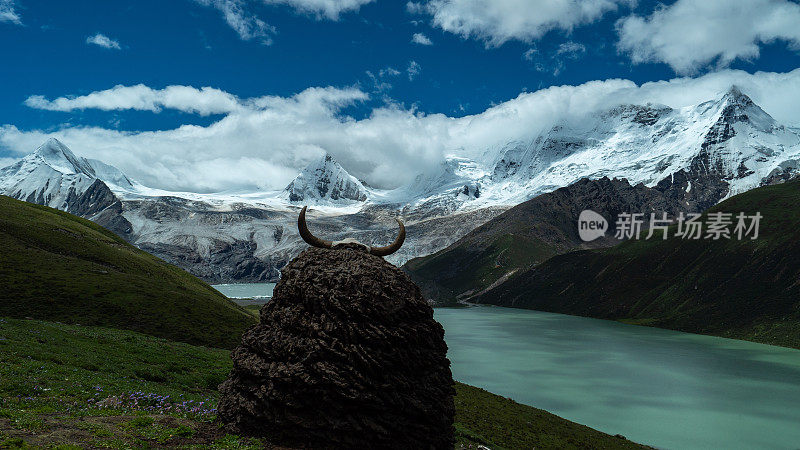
(325, 181)
(733, 98)
(725, 146)
(736, 106)
(731, 113)
(60, 157)
(52, 175)
(734, 95)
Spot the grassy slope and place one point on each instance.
(527, 235)
(59, 267)
(464, 268)
(740, 289)
(501, 423)
(59, 383)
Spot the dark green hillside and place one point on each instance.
(59, 267)
(94, 387)
(506, 424)
(527, 235)
(747, 289)
(464, 269)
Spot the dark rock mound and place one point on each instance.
(347, 355)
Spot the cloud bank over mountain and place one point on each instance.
(263, 142)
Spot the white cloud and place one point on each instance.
(571, 50)
(103, 41)
(246, 24)
(691, 34)
(530, 54)
(378, 84)
(8, 13)
(379, 80)
(554, 61)
(330, 9)
(498, 21)
(413, 70)
(203, 101)
(415, 7)
(240, 16)
(421, 39)
(389, 72)
(264, 141)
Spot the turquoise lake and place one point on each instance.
(657, 387)
(255, 291)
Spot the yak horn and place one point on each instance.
(394, 246)
(307, 236)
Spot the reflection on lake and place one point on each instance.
(656, 387)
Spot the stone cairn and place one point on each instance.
(346, 355)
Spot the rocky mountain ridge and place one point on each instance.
(696, 155)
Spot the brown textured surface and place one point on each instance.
(346, 355)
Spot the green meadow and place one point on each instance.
(75, 386)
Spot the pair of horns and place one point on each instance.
(322, 243)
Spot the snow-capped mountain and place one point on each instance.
(702, 153)
(325, 182)
(53, 176)
(719, 148)
(699, 155)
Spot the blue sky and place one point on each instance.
(469, 56)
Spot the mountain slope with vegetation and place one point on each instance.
(63, 385)
(745, 289)
(528, 234)
(59, 267)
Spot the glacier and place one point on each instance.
(701, 154)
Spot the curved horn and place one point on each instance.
(306, 235)
(394, 246)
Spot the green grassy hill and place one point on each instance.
(59, 267)
(63, 385)
(748, 289)
(527, 235)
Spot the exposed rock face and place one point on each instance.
(346, 355)
(99, 204)
(225, 261)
